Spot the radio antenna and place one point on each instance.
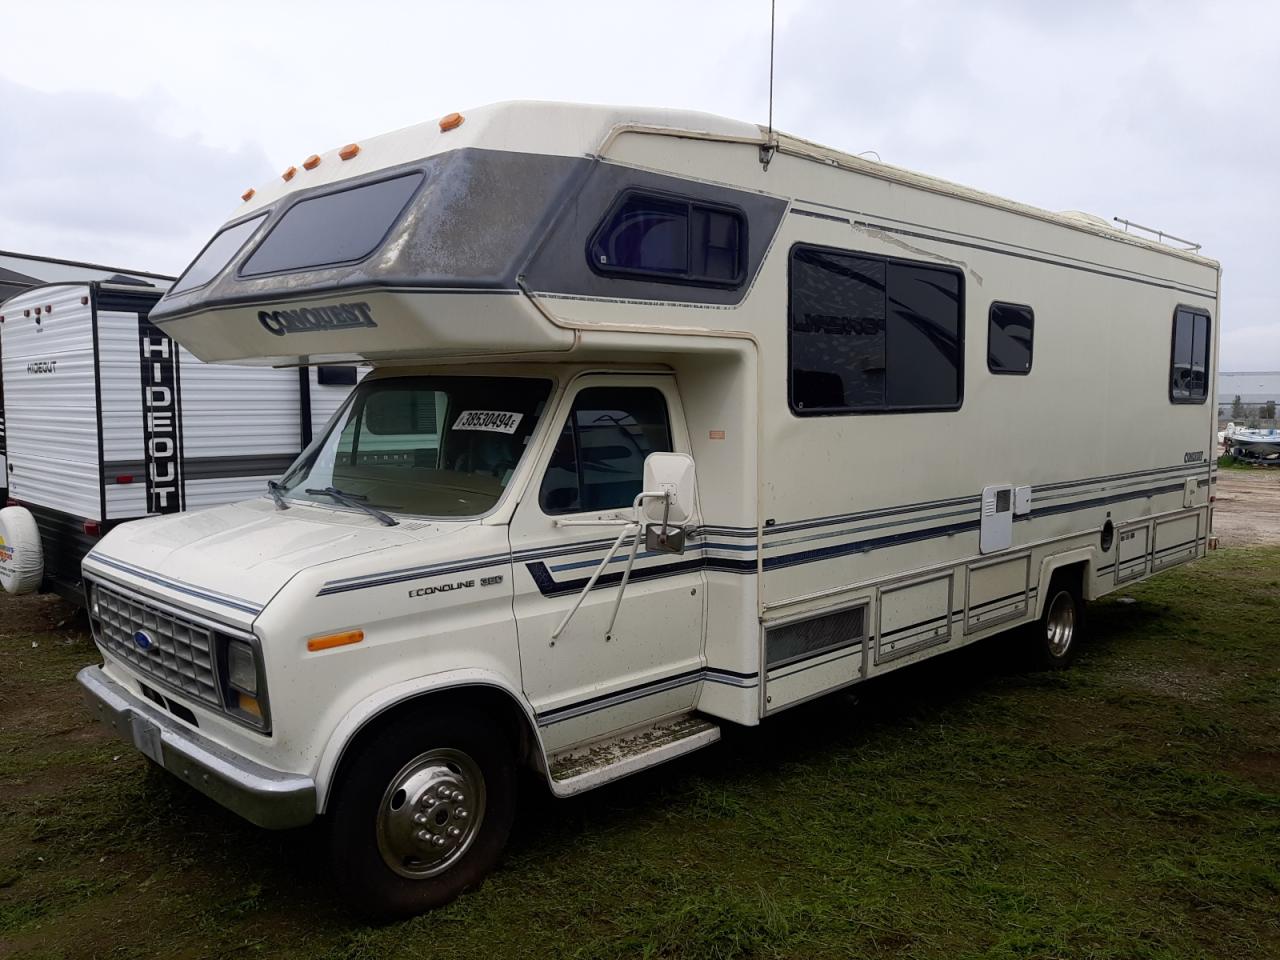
(769, 147)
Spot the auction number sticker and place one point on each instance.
(494, 421)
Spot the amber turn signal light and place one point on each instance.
(451, 122)
(330, 640)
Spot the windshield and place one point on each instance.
(426, 446)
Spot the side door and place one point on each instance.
(590, 680)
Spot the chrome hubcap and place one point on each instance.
(1060, 624)
(430, 813)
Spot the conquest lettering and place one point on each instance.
(338, 316)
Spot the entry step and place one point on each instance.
(592, 764)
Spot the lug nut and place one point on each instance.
(423, 835)
(458, 797)
(438, 841)
(419, 818)
(455, 831)
(460, 813)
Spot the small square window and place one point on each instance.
(1010, 329)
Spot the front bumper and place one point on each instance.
(261, 795)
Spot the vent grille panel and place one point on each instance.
(808, 638)
(180, 654)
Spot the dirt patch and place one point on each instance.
(1188, 685)
(1247, 510)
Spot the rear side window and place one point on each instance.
(671, 239)
(871, 334)
(1189, 367)
(1009, 333)
(333, 228)
(225, 245)
(598, 462)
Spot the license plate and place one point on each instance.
(146, 737)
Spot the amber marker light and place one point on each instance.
(288, 174)
(311, 162)
(331, 640)
(349, 151)
(248, 194)
(450, 122)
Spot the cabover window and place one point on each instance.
(1189, 367)
(225, 245)
(671, 239)
(1009, 332)
(333, 228)
(873, 334)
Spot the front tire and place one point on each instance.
(1056, 637)
(422, 813)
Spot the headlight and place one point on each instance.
(242, 670)
(93, 601)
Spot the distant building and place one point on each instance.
(1257, 387)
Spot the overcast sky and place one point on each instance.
(131, 127)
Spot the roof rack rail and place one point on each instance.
(1160, 235)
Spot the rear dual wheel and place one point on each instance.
(1055, 639)
(422, 813)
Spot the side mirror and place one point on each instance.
(672, 474)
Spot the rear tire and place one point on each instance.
(1056, 637)
(422, 813)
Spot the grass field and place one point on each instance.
(1127, 808)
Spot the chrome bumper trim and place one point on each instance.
(261, 795)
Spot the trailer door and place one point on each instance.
(590, 680)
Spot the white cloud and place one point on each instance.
(1158, 111)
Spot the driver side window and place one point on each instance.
(598, 462)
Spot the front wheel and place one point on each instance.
(422, 813)
(1056, 637)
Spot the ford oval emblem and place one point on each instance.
(143, 640)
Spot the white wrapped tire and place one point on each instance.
(21, 555)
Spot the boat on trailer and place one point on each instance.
(1257, 445)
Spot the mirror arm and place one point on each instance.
(628, 526)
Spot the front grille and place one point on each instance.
(179, 653)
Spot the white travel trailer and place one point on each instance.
(110, 420)
(726, 423)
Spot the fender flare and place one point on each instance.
(375, 705)
(1055, 562)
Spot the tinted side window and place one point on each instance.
(1189, 366)
(869, 333)
(598, 462)
(333, 228)
(1009, 336)
(217, 254)
(670, 238)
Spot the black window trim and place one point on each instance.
(239, 251)
(1208, 351)
(877, 411)
(573, 423)
(1031, 351)
(292, 201)
(655, 276)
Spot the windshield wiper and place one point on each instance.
(276, 489)
(357, 501)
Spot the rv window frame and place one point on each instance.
(658, 276)
(174, 290)
(281, 212)
(1208, 352)
(885, 408)
(1031, 350)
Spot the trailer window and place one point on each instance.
(598, 462)
(339, 227)
(670, 239)
(1189, 368)
(1009, 333)
(870, 334)
(225, 245)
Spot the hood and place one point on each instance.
(237, 557)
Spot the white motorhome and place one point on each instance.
(728, 422)
(110, 420)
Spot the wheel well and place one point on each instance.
(1073, 573)
(484, 701)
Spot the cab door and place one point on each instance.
(589, 680)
